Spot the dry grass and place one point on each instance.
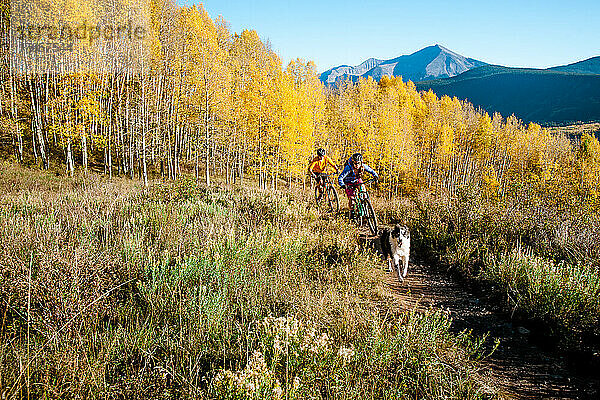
(111, 290)
(539, 248)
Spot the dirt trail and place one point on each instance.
(518, 367)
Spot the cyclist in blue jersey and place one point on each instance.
(351, 177)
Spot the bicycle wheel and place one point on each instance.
(359, 212)
(334, 201)
(370, 217)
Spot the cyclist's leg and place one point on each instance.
(350, 193)
(321, 178)
(320, 184)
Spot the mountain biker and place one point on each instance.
(317, 169)
(351, 177)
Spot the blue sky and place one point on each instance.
(521, 33)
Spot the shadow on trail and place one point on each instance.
(518, 368)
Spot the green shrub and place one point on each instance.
(566, 296)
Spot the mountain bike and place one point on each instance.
(326, 194)
(363, 209)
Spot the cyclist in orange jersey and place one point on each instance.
(317, 169)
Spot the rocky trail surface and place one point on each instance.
(522, 366)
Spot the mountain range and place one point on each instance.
(432, 62)
(557, 95)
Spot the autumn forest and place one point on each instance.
(221, 103)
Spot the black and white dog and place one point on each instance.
(395, 245)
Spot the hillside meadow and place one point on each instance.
(110, 289)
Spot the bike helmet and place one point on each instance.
(321, 152)
(356, 158)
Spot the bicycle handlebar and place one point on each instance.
(370, 180)
(316, 174)
(362, 183)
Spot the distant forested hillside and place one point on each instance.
(543, 96)
(589, 66)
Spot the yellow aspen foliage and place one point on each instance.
(482, 139)
(588, 155)
(490, 182)
(589, 149)
(213, 100)
(446, 141)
